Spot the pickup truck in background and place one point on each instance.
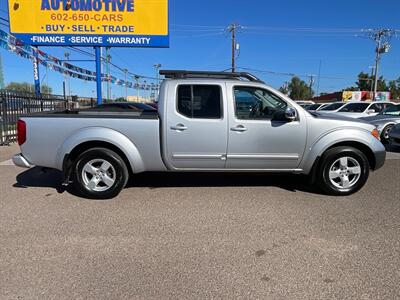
(206, 121)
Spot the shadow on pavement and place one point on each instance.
(39, 177)
(287, 182)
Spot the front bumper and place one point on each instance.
(20, 161)
(380, 157)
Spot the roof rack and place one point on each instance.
(182, 74)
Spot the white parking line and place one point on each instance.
(392, 155)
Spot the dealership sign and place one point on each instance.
(116, 23)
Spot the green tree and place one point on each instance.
(394, 88)
(284, 89)
(299, 90)
(365, 82)
(25, 87)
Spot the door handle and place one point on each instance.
(239, 128)
(179, 127)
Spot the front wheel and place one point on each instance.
(343, 171)
(99, 173)
(385, 134)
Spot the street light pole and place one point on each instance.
(137, 87)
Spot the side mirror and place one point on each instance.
(290, 114)
(371, 111)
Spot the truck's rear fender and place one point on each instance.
(101, 136)
(354, 137)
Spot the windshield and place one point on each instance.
(355, 107)
(313, 106)
(393, 110)
(333, 106)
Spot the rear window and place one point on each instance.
(355, 107)
(333, 106)
(200, 101)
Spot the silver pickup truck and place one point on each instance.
(206, 121)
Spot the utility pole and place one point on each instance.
(311, 84)
(370, 81)
(232, 29)
(382, 39)
(126, 84)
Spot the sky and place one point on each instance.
(286, 36)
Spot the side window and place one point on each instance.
(378, 107)
(200, 101)
(255, 103)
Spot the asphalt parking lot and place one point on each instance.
(174, 236)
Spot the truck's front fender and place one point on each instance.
(102, 134)
(339, 136)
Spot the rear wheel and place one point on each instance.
(99, 173)
(343, 171)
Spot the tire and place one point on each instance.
(99, 173)
(385, 134)
(343, 171)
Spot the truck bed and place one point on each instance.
(96, 113)
(50, 134)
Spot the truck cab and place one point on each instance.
(222, 123)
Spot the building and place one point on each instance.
(352, 96)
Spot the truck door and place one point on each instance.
(196, 126)
(258, 139)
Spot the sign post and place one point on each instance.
(98, 75)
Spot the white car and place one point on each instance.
(333, 107)
(317, 106)
(304, 103)
(359, 109)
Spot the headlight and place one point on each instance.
(375, 133)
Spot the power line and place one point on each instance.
(289, 74)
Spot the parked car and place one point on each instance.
(198, 127)
(333, 107)
(125, 105)
(385, 121)
(316, 106)
(359, 109)
(394, 136)
(304, 103)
